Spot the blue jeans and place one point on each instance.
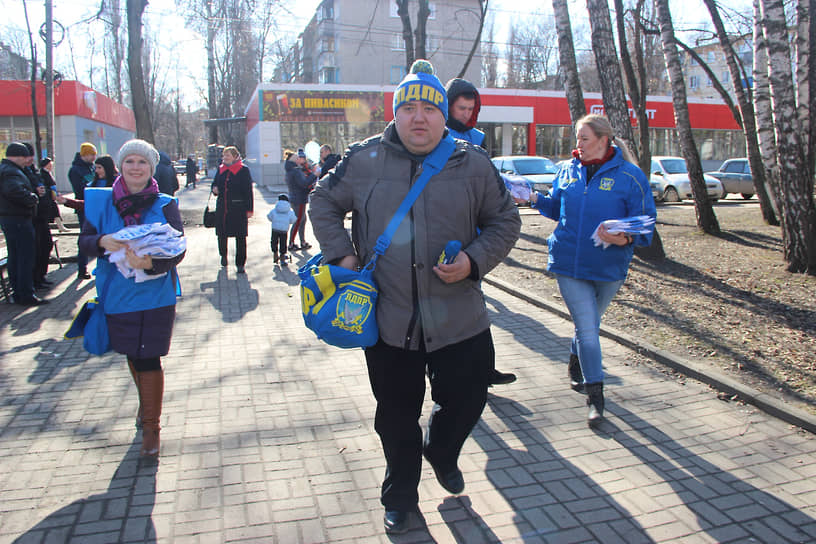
(19, 232)
(586, 301)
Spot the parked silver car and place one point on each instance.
(671, 176)
(538, 171)
(735, 176)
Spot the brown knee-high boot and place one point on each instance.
(151, 386)
(136, 381)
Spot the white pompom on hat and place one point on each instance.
(141, 148)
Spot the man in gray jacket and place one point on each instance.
(432, 317)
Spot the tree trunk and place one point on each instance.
(706, 220)
(764, 118)
(606, 60)
(144, 128)
(477, 40)
(212, 102)
(420, 32)
(796, 185)
(407, 33)
(35, 116)
(748, 124)
(566, 55)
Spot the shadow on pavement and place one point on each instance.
(125, 508)
(553, 500)
(234, 298)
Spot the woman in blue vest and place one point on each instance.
(140, 316)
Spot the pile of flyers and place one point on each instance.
(637, 224)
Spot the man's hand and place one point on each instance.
(458, 270)
(250, 214)
(349, 262)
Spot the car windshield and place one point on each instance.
(534, 165)
(674, 166)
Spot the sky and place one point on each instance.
(183, 49)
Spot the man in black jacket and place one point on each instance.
(81, 175)
(17, 204)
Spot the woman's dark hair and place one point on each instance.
(44, 162)
(106, 162)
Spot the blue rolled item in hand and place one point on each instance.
(450, 252)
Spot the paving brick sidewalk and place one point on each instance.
(268, 434)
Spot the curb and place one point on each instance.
(764, 402)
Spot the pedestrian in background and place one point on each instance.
(105, 171)
(300, 180)
(47, 212)
(191, 169)
(140, 316)
(432, 317)
(281, 216)
(234, 205)
(166, 175)
(602, 182)
(81, 175)
(18, 203)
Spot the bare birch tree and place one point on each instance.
(792, 142)
(706, 220)
(748, 119)
(606, 60)
(568, 65)
(141, 109)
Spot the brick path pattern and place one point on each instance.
(268, 434)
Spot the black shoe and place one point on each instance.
(83, 276)
(223, 261)
(33, 301)
(595, 401)
(451, 480)
(576, 377)
(306, 245)
(293, 247)
(395, 521)
(500, 378)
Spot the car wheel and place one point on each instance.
(670, 195)
(746, 196)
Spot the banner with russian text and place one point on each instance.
(323, 106)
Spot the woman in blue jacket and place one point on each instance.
(139, 315)
(602, 182)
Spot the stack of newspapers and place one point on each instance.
(637, 224)
(155, 239)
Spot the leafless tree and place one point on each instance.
(793, 141)
(490, 58)
(34, 114)
(706, 219)
(141, 108)
(568, 65)
(414, 48)
(530, 52)
(478, 38)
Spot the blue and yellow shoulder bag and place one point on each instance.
(339, 305)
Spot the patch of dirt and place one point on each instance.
(724, 301)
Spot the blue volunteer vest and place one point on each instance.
(124, 294)
(474, 135)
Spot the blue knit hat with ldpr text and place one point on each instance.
(421, 84)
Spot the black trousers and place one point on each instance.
(458, 376)
(44, 243)
(278, 241)
(240, 248)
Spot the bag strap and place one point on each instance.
(432, 165)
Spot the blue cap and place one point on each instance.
(421, 84)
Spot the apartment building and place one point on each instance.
(700, 85)
(359, 42)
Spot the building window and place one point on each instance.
(694, 82)
(325, 11)
(711, 57)
(709, 83)
(328, 74)
(397, 73)
(397, 43)
(327, 45)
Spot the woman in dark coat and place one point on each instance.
(139, 315)
(234, 205)
(47, 211)
(192, 171)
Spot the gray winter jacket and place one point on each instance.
(371, 180)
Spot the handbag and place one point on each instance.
(209, 216)
(339, 305)
(91, 324)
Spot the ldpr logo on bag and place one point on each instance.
(353, 308)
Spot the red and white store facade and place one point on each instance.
(516, 121)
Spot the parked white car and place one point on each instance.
(670, 175)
